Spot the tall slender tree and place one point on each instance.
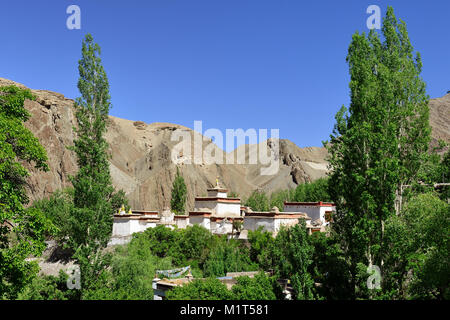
(92, 216)
(377, 144)
(178, 200)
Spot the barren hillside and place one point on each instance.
(142, 165)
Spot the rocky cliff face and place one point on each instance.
(141, 156)
(440, 119)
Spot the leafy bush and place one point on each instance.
(313, 192)
(261, 248)
(258, 201)
(228, 256)
(258, 288)
(48, 288)
(209, 289)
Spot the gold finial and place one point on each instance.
(217, 181)
(130, 212)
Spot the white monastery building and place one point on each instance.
(218, 213)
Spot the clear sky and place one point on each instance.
(230, 63)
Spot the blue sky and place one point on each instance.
(230, 63)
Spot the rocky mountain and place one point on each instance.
(144, 157)
(440, 119)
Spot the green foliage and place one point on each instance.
(179, 193)
(293, 255)
(313, 191)
(233, 194)
(227, 256)
(378, 145)
(195, 243)
(329, 268)
(261, 287)
(209, 289)
(131, 273)
(48, 288)
(22, 231)
(238, 225)
(258, 288)
(417, 250)
(57, 209)
(261, 248)
(308, 192)
(210, 254)
(91, 218)
(258, 201)
(278, 198)
(164, 242)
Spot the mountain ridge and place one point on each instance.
(141, 155)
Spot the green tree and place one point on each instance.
(258, 288)
(329, 267)
(278, 198)
(378, 145)
(293, 255)
(92, 215)
(196, 242)
(22, 231)
(258, 201)
(57, 209)
(418, 251)
(48, 288)
(164, 242)
(313, 191)
(261, 248)
(227, 256)
(209, 289)
(178, 201)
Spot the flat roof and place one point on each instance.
(219, 199)
(217, 189)
(278, 215)
(317, 204)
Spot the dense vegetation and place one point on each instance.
(22, 230)
(308, 192)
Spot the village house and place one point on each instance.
(320, 212)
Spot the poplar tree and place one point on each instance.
(178, 200)
(376, 145)
(91, 218)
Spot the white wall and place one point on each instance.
(182, 223)
(228, 209)
(126, 227)
(200, 220)
(253, 223)
(314, 212)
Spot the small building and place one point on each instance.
(216, 212)
(125, 224)
(273, 220)
(320, 212)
